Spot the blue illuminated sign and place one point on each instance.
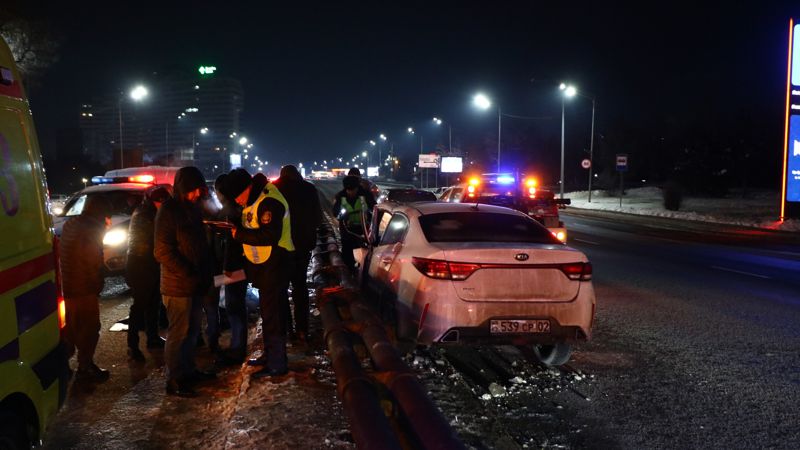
(793, 161)
(796, 56)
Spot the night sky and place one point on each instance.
(321, 79)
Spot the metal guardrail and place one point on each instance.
(387, 408)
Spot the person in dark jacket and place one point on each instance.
(142, 273)
(265, 233)
(364, 189)
(304, 205)
(81, 253)
(352, 209)
(186, 275)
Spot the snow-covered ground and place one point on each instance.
(758, 209)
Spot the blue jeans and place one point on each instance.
(236, 308)
(185, 315)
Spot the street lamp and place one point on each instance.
(568, 92)
(84, 182)
(481, 101)
(136, 94)
(439, 121)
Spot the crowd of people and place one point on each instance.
(267, 229)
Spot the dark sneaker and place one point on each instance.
(179, 389)
(92, 373)
(260, 361)
(266, 372)
(156, 343)
(201, 375)
(135, 354)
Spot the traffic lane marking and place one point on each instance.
(585, 241)
(725, 269)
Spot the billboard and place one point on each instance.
(428, 161)
(452, 164)
(790, 195)
(235, 160)
(372, 171)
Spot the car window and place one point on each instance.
(484, 227)
(445, 195)
(455, 196)
(396, 230)
(122, 202)
(383, 221)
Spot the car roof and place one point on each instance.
(443, 207)
(130, 187)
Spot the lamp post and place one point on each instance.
(568, 92)
(136, 94)
(481, 101)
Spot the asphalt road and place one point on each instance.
(697, 338)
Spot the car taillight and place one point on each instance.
(578, 271)
(443, 270)
(432, 268)
(62, 312)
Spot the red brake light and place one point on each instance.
(443, 270)
(62, 307)
(578, 271)
(432, 268)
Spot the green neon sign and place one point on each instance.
(207, 70)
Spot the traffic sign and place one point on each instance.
(622, 163)
(586, 164)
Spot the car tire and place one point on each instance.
(553, 354)
(14, 432)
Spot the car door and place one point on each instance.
(380, 221)
(385, 253)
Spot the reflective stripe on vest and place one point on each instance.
(353, 212)
(258, 254)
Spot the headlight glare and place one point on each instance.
(115, 238)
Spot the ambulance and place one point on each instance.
(33, 365)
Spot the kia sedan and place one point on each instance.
(467, 273)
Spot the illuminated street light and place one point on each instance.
(437, 121)
(242, 140)
(569, 92)
(372, 143)
(410, 130)
(204, 130)
(364, 154)
(138, 93)
(481, 101)
(383, 137)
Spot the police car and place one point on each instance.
(124, 189)
(33, 364)
(512, 191)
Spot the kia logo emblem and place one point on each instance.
(521, 257)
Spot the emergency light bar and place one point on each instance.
(144, 179)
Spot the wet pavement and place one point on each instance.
(132, 410)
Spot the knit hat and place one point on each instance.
(236, 182)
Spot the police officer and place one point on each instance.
(266, 237)
(349, 206)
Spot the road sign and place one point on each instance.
(622, 163)
(586, 164)
(428, 161)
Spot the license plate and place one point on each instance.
(519, 326)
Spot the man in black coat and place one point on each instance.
(186, 274)
(304, 205)
(82, 275)
(142, 273)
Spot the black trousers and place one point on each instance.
(272, 280)
(298, 278)
(351, 240)
(144, 281)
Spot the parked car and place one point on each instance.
(475, 273)
(406, 196)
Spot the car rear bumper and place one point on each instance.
(446, 317)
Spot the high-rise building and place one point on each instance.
(183, 119)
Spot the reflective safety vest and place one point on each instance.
(258, 254)
(353, 212)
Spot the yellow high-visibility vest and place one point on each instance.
(353, 211)
(258, 254)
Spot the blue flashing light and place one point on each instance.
(102, 180)
(505, 179)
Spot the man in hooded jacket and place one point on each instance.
(182, 250)
(81, 253)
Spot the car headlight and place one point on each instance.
(115, 238)
(57, 210)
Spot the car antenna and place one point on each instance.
(475, 207)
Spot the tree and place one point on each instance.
(33, 44)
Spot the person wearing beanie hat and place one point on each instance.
(142, 273)
(351, 206)
(266, 238)
(182, 249)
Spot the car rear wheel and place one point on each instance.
(553, 355)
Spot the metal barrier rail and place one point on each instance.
(389, 408)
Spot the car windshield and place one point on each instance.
(484, 227)
(122, 202)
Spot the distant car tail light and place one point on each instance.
(560, 235)
(578, 271)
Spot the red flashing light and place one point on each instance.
(142, 179)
